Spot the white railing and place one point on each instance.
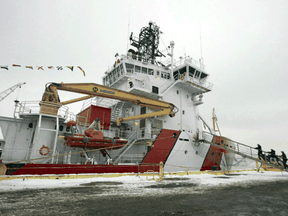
(99, 101)
(235, 146)
(189, 60)
(205, 84)
(33, 107)
(131, 158)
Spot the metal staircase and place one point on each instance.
(241, 149)
(132, 138)
(116, 110)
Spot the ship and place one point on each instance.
(144, 116)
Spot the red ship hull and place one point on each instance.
(41, 169)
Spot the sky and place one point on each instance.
(244, 47)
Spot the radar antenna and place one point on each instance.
(148, 43)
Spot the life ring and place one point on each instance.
(44, 150)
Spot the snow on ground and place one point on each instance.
(139, 185)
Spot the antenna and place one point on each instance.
(128, 29)
(200, 42)
(201, 63)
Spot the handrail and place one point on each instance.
(240, 149)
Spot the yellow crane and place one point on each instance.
(51, 103)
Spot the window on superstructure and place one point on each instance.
(155, 89)
(118, 71)
(129, 68)
(177, 91)
(150, 71)
(165, 75)
(191, 71)
(144, 70)
(114, 75)
(137, 69)
(183, 112)
(121, 69)
(197, 74)
(110, 78)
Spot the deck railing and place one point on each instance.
(33, 107)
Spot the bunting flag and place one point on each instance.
(81, 70)
(70, 67)
(42, 67)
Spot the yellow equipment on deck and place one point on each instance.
(51, 103)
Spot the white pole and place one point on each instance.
(172, 59)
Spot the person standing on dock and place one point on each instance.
(284, 159)
(260, 154)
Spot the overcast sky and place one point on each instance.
(244, 46)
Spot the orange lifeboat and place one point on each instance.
(94, 140)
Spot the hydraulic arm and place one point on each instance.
(50, 101)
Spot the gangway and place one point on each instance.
(237, 148)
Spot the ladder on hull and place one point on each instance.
(240, 149)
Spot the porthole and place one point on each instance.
(61, 128)
(174, 135)
(186, 152)
(212, 153)
(30, 125)
(221, 141)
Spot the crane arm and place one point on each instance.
(92, 90)
(8, 91)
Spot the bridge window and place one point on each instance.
(121, 69)
(118, 71)
(137, 69)
(150, 71)
(144, 70)
(165, 75)
(129, 68)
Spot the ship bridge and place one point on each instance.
(131, 73)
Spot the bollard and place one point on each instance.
(3, 168)
(161, 171)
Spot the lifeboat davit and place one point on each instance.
(94, 140)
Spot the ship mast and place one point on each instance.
(148, 43)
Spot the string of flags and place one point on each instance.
(42, 67)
